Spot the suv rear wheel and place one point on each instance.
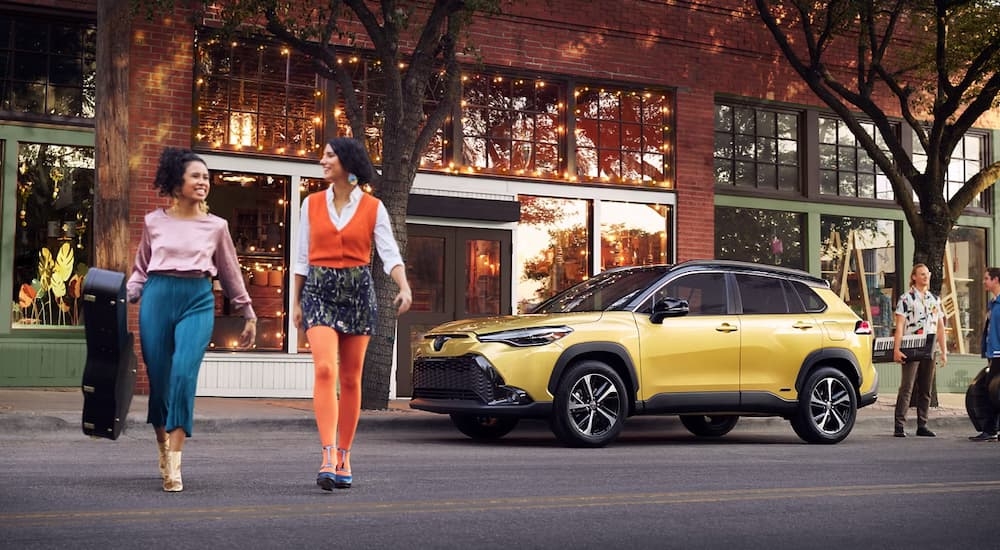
(590, 405)
(828, 406)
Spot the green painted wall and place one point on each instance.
(37, 356)
(952, 378)
(33, 362)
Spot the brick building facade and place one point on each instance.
(705, 58)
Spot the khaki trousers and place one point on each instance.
(917, 376)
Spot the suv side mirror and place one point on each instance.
(668, 307)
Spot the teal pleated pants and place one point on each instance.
(176, 317)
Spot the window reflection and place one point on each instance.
(53, 247)
(306, 187)
(482, 268)
(634, 234)
(254, 96)
(256, 207)
(756, 148)
(512, 125)
(425, 271)
(621, 136)
(846, 169)
(965, 265)
(968, 158)
(553, 247)
(858, 257)
(49, 67)
(760, 236)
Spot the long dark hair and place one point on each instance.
(353, 158)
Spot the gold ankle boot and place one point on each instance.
(164, 447)
(172, 481)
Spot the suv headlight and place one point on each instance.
(538, 336)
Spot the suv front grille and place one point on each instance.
(452, 378)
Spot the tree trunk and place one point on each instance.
(377, 374)
(110, 222)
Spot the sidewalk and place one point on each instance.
(35, 410)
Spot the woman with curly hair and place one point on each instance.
(334, 296)
(183, 248)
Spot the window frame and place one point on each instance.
(86, 60)
(308, 124)
(733, 160)
(858, 155)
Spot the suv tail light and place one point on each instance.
(862, 327)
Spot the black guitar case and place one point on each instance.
(982, 398)
(109, 375)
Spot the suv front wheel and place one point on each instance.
(590, 405)
(828, 406)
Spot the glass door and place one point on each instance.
(455, 273)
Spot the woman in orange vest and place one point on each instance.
(335, 296)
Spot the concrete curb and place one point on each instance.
(409, 421)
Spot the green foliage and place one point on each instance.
(936, 61)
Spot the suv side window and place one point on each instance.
(704, 292)
(761, 295)
(812, 302)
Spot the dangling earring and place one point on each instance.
(352, 179)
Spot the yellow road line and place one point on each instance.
(356, 508)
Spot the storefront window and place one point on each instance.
(858, 257)
(552, 247)
(623, 136)
(307, 186)
(962, 290)
(756, 148)
(49, 67)
(52, 242)
(762, 236)
(845, 168)
(255, 205)
(968, 158)
(634, 234)
(512, 126)
(256, 97)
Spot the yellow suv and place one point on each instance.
(709, 340)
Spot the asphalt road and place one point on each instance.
(657, 486)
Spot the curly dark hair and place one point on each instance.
(353, 157)
(170, 172)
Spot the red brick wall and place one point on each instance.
(160, 115)
(700, 48)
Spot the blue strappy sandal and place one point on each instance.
(342, 477)
(327, 480)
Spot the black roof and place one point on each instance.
(750, 267)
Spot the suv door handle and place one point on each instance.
(726, 327)
(802, 325)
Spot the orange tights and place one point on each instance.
(337, 419)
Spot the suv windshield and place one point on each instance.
(606, 291)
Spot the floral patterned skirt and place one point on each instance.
(340, 298)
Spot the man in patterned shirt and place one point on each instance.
(918, 312)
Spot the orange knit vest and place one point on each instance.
(347, 247)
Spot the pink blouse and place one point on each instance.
(198, 247)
